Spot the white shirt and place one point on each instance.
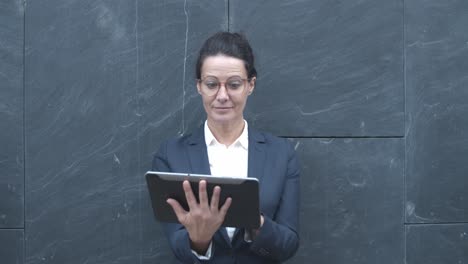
(229, 161)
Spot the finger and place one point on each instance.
(215, 198)
(178, 210)
(225, 207)
(202, 193)
(191, 201)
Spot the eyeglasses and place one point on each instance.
(211, 85)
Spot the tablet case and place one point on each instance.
(243, 212)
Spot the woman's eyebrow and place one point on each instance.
(214, 76)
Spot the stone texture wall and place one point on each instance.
(373, 95)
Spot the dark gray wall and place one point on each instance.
(372, 93)
(11, 135)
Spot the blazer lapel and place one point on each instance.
(197, 153)
(256, 161)
(257, 154)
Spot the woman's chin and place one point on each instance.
(222, 119)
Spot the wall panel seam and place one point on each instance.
(437, 223)
(404, 132)
(24, 130)
(228, 15)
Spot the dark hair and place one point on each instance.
(229, 44)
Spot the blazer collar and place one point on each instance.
(199, 156)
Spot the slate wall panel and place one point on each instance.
(437, 95)
(11, 249)
(352, 200)
(326, 68)
(104, 86)
(435, 244)
(11, 114)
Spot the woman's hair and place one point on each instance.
(228, 44)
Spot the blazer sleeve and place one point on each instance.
(176, 233)
(278, 239)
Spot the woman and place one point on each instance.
(227, 146)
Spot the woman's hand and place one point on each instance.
(203, 219)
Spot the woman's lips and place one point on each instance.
(222, 109)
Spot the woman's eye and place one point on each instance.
(234, 85)
(211, 85)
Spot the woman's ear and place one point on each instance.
(198, 87)
(252, 84)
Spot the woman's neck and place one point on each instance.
(226, 133)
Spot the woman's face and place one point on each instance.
(227, 105)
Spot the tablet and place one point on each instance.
(243, 212)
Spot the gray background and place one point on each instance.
(373, 94)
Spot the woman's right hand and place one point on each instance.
(203, 219)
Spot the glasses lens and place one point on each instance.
(210, 86)
(235, 85)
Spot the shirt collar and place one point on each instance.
(243, 139)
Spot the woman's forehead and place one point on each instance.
(221, 65)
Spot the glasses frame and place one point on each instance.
(244, 80)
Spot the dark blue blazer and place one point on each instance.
(273, 162)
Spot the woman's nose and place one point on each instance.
(222, 93)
